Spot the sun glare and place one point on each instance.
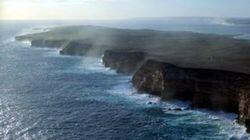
(18, 10)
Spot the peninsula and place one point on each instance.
(211, 71)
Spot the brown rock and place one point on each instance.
(161, 79)
(76, 48)
(212, 89)
(123, 61)
(244, 104)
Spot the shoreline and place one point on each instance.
(153, 77)
(148, 100)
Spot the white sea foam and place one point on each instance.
(244, 36)
(90, 65)
(225, 121)
(94, 65)
(87, 65)
(221, 21)
(6, 41)
(26, 43)
(125, 90)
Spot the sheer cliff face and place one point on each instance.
(244, 106)
(152, 77)
(123, 62)
(185, 49)
(75, 48)
(212, 89)
(124, 51)
(204, 88)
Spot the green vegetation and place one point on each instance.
(184, 49)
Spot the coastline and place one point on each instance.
(138, 65)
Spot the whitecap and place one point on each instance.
(225, 121)
(244, 36)
(94, 65)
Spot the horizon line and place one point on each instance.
(132, 18)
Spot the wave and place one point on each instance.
(94, 65)
(244, 36)
(221, 21)
(225, 121)
(124, 89)
(82, 64)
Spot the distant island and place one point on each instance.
(211, 71)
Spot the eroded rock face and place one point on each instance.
(216, 89)
(48, 43)
(162, 79)
(76, 48)
(212, 89)
(123, 61)
(244, 105)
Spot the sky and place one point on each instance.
(120, 9)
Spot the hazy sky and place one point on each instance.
(119, 9)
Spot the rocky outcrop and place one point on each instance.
(162, 79)
(76, 48)
(214, 89)
(205, 88)
(123, 61)
(67, 47)
(244, 105)
(48, 43)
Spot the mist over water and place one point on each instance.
(47, 96)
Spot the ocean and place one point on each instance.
(44, 95)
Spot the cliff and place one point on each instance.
(152, 76)
(123, 61)
(244, 105)
(205, 88)
(185, 49)
(76, 48)
(207, 83)
(213, 89)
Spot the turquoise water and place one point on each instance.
(47, 96)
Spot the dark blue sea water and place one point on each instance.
(47, 96)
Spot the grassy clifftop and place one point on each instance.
(184, 49)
